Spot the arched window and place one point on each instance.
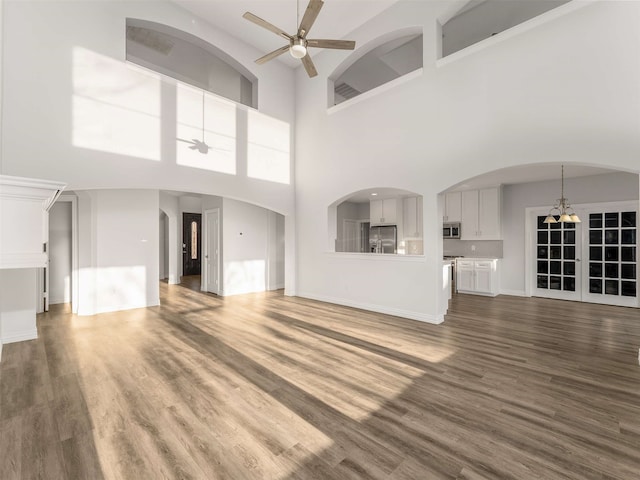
(380, 65)
(189, 59)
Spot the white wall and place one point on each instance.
(247, 240)
(81, 76)
(60, 253)
(515, 100)
(18, 313)
(119, 256)
(516, 198)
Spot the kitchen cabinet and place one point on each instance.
(452, 207)
(412, 217)
(383, 212)
(481, 214)
(479, 276)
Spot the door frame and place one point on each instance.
(73, 199)
(205, 250)
(582, 209)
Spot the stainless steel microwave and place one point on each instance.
(451, 230)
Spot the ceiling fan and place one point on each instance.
(298, 42)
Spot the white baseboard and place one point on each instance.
(513, 293)
(119, 308)
(397, 312)
(20, 336)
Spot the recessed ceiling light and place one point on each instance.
(374, 194)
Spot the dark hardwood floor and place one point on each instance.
(270, 387)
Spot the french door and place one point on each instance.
(593, 261)
(557, 260)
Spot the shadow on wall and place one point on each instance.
(124, 109)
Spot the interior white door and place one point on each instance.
(212, 253)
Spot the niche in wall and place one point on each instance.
(377, 221)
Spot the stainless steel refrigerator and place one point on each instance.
(383, 239)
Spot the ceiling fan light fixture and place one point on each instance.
(298, 48)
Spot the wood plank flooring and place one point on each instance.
(270, 387)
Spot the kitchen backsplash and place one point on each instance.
(465, 248)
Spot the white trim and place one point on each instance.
(376, 91)
(21, 336)
(75, 287)
(514, 31)
(126, 306)
(514, 293)
(397, 312)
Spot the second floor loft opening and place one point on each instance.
(481, 19)
(380, 65)
(189, 59)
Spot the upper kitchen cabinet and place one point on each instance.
(412, 216)
(384, 212)
(452, 207)
(24, 206)
(481, 214)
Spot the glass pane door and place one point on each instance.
(612, 264)
(557, 260)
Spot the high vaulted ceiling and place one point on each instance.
(336, 20)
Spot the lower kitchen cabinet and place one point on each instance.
(478, 275)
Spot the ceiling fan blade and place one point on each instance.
(310, 15)
(272, 55)
(309, 66)
(337, 44)
(264, 24)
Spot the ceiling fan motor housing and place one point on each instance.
(298, 47)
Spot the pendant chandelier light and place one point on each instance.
(567, 215)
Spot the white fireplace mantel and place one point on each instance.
(24, 206)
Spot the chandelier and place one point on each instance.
(567, 215)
